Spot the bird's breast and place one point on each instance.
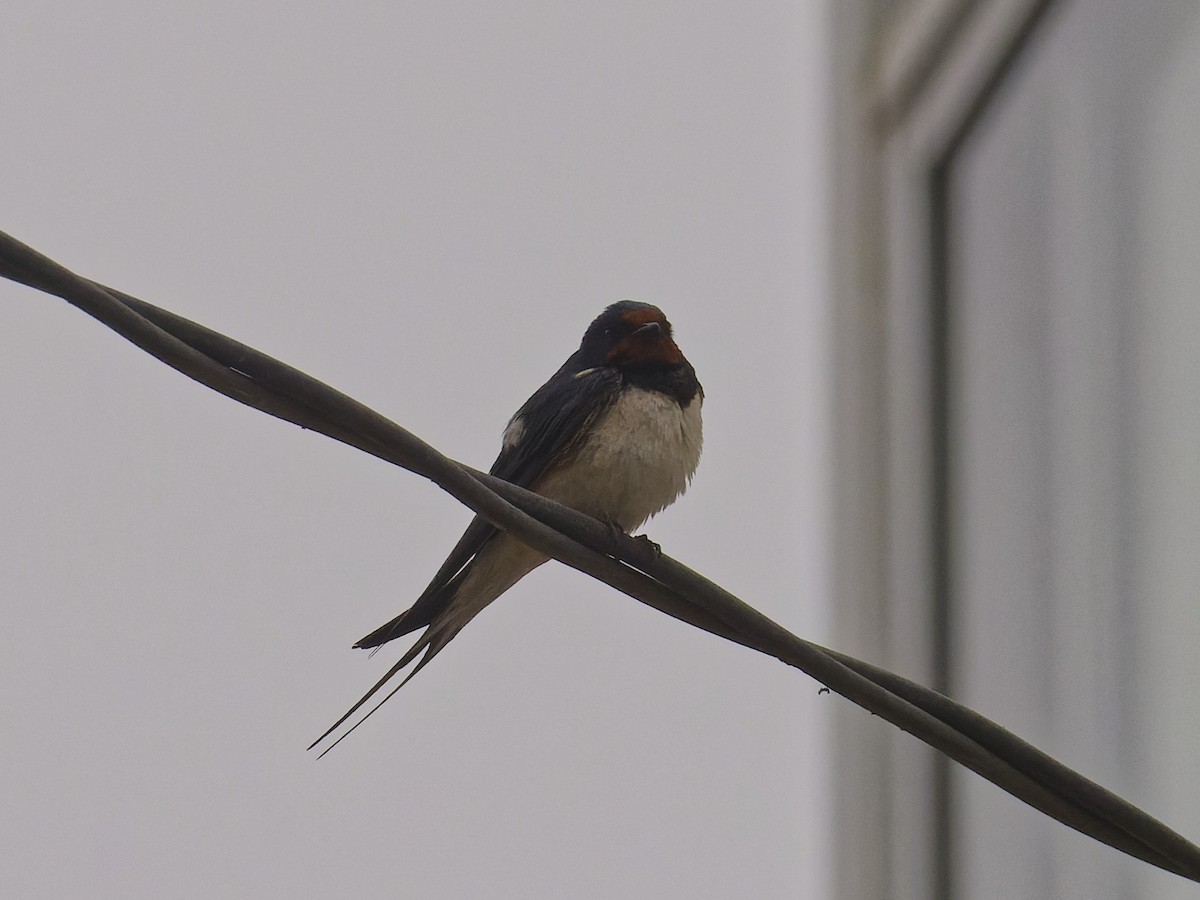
(637, 458)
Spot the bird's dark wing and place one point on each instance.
(551, 421)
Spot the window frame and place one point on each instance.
(929, 73)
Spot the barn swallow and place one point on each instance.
(615, 433)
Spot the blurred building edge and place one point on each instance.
(1017, 424)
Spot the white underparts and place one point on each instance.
(636, 460)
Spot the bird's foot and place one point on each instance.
(615, 533)
(648, 551)
(654, 549)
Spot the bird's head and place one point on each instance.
(630, 334)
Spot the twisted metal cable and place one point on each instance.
(631, 566)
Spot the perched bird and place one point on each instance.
(615, 433)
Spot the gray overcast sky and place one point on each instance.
(422, 204)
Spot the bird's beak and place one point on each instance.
(649, 331)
